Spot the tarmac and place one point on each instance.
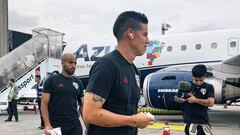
(224, 121)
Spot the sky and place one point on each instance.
(92, 20)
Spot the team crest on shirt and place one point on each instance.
(75, 85)
(203, 91)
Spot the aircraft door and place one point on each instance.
(233, 46)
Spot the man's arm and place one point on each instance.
(179, 100)
(80, 102)
(15, 92)
(94, 113)
(44, 111)
(80, 96)
(205, 102)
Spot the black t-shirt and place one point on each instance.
(117, 81)
(196, 113)
(39, 88)
(65, 94)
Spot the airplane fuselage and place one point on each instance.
(209, 48)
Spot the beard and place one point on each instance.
(70, 71)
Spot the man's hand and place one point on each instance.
(191, 99)
(46, 130)
(143, 120)
(179, 100)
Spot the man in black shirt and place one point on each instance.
(112, 94)
(39, 88)
(60, 96)
(196, 106)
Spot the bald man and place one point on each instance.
(60, 96)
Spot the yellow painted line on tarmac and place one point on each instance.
(172, 127)
(177, 127)
(156, 125)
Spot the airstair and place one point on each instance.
(39, 55)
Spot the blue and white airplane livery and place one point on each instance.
(170, 59)
(167, 60)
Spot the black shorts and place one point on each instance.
(69, 128)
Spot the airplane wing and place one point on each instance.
(234, 61)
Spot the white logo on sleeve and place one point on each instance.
(203, 91)
(75, 85)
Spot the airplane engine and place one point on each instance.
(159, 88)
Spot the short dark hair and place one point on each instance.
(12, 80)
(199, 71)
(128, 19)
(38, 76)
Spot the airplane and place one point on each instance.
(167, 61)
(173, 57)
(218, 50)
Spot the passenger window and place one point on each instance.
(198, 46)
(169, 48)
(183, 47)
(233, 44)
(214, 45)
